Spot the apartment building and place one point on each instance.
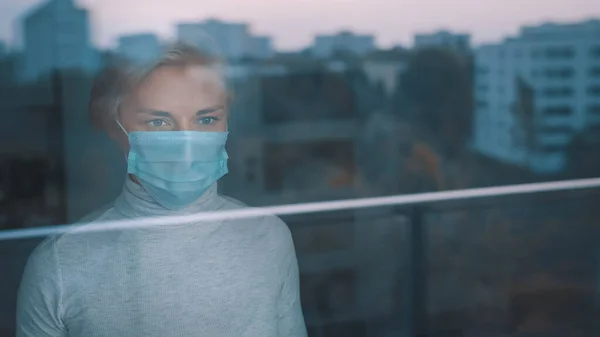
(535, 91)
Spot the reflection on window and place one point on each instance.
(308, 96)
(329, 294)
(309, 165)
(322, 233)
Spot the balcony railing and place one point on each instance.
(495, 261)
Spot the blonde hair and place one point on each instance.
(117, 79)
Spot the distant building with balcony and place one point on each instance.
(232, 41)
(325, 46)
(444, 39)
(56, 36)
(385, 66)
(139, 47)
(535, 91)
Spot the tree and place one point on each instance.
(435, 95)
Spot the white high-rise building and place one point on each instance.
(230, 40)
(56, 35)
(444, 39)
(326, 45)
(139, 47)
(534, 92)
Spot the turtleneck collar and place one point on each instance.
(135, 202)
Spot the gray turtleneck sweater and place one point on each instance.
(225, 278)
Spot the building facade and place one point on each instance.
(139, 47)
(534, 92)
(261, 47)
(444, 39)
(233, 41)
(384, 67)
(56, 36)
(325, 46)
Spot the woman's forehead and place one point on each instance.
(181, 83)
(193, 76)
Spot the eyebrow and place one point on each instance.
(160, 113)
(155, 112)
(209, 110)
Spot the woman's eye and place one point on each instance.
(157, 123)
(207, 120)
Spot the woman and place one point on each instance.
(226, 278)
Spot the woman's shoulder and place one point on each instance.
(229, 203)
(81, 241)
(104, 213)
(262, 219)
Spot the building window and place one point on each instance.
(594, 72)
(559, 53)
(594, 90)
(558, 92)
(536, 53)
(481, 105)
(561, 129)
(482, 70)
(559, 73)
(595, 52)
(594, 109)
(518, 53)
(553, 148)
(558, 111)
(482, 88)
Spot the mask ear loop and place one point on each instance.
(122, 128)
(127, 134)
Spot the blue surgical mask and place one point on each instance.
(177, 167)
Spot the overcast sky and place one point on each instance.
(293, 23)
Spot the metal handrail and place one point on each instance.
(327, 206)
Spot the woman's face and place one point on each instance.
(175, 98)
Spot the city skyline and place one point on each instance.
(293, 25)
